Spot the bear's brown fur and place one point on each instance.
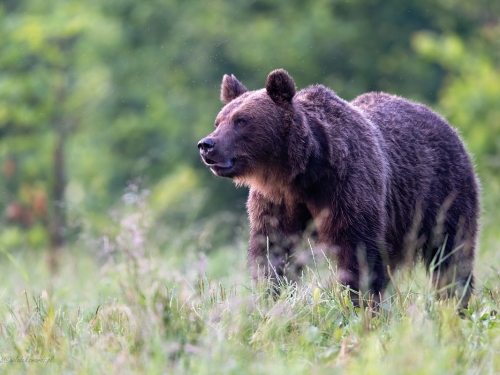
(382, 179)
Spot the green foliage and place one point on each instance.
(471, 93)
(46, 87)
(132, 86)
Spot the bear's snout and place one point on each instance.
(206, 145)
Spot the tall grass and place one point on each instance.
(131, 304)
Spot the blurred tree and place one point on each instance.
(470, 96)
(44, 96)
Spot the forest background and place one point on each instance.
(95, 97)
(102, 104)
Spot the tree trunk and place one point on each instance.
(58, 224)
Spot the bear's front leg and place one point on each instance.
(361, 266)
(356, 243)
(276, 229)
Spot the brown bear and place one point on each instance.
(382, 180)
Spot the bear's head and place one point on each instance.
(252, 132)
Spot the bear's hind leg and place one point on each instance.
(452, 266)
(449, 254)
(452, 272)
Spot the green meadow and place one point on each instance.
(128, 305)
(121, 253)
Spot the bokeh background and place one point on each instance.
(102, 104)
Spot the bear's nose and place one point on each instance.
(206, 144)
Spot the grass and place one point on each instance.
(131, 305)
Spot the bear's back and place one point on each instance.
(414, 135)
(427, 160)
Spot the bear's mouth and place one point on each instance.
(218, 165)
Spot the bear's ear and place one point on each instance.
(280, 86)
(231, 88)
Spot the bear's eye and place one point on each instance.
(240, 122)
